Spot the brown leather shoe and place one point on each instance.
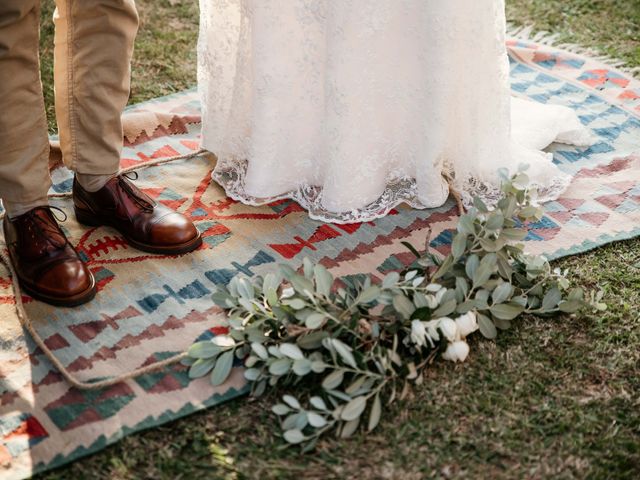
(48, 267)
(146, 225)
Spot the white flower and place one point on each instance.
(456, 351)
(449, 328)
(432, 303)
(467, 324)
(287, 293)
(418, 333)
(432, 330)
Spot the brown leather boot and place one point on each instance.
(146, 225)
(48, 267)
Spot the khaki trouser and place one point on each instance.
(93, 48)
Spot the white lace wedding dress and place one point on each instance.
(351, 107)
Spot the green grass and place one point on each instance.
(164, 58)
(611, 27)
(556, 398)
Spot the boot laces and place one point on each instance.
(134, 193)
(46, 230)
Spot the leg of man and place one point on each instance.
(93, 48)
(24, 144)
(47, 266)
(94, 43)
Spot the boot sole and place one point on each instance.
(73, 301)
(89, 220)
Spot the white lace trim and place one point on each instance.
(231, 174)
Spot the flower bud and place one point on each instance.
(432, 330)
(456, 351)
(467, 324)
(449, 328)
(418, 333)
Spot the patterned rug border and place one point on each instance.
(588, 246)
(148, 423)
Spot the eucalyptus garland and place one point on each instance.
(357, 345)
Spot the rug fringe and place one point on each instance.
(531, 34)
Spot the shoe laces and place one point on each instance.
(47, 230)
(134, 193)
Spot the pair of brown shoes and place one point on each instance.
(47, 265)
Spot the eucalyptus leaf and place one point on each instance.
(570, 306)
(345, 353)
(188, 361)
(349, 428)
(294, 420)
(296, 303)
(206, 349)
(307, 267)
(315, 320)
(280, 367)
(506, 311)
(502, 293)
(473, 262)
(487, 328)
(294, 436)
(252, 374)
(318, 402)
(312, 340)
(201, 367)
(375, 414)
(465, 224)
(444, 268)
(291, 401)
(301, 367)
(324, 280)
(403, 305)
(480, 205)
(369, 294)
(280, 409)
(390, 279)
(291, 350)
(223, 299)
(301, 285)
(222, 369)
(333, 380)
(445, 309)
(318, 366)
(463, 286)
(551, 299)
(495, 221)
(355, 386)
(316, 420)
(459, 245)
(245, 289)
(515, 234)
(354, 408)
(259, 350)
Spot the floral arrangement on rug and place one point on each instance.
(357, 346)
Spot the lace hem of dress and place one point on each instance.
(231, 174)
(490, 193)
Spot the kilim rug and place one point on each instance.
(150, 307)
